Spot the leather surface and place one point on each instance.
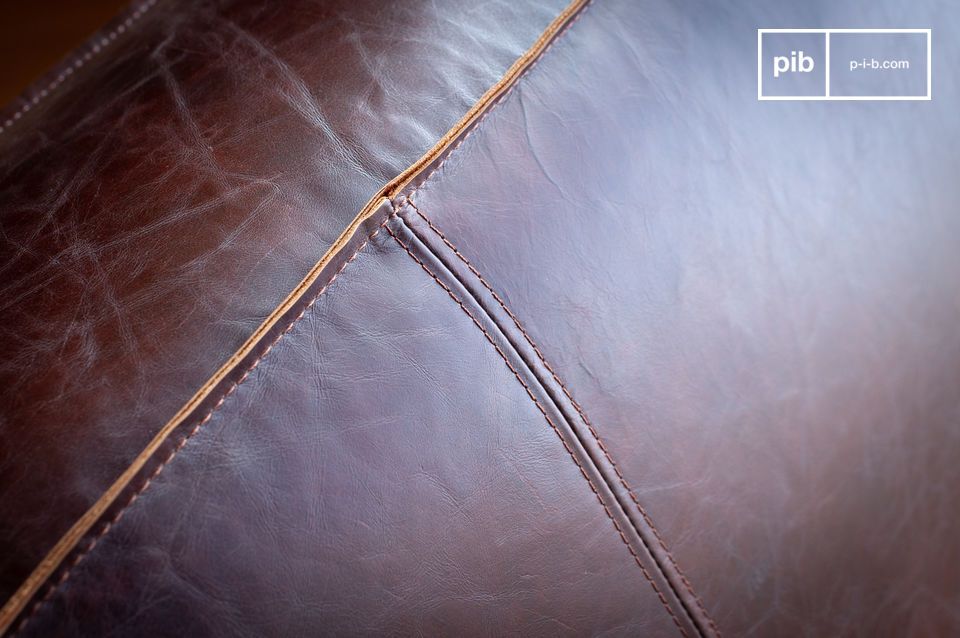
(381, 472)
(637, 355)
(159, 204)
(754, 302)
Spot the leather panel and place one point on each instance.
(382, 470)
(630, 519)
(755, 303)
(170, 192)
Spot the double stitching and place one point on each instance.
(593, 432)
(578, 6)
(408, 198)
(543, 411)
(108, 526)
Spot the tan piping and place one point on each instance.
(68, 542)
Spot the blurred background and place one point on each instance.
(36, 34)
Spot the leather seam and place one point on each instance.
(69, 542)
(501, 98)
(71, 65)
(593, 432)
(543, 411)
(109, 525)
(188, 410)
(408, 197)
(490, 100)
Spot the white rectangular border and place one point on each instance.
(842, 98)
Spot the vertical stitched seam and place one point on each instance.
(622, 479)
(540, 407)
(103, 532)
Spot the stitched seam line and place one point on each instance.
(99, 44)
(492, 97)
(391, 188)
(622, 479)
(593, 432)
(81, 555)
(540, 407)
(499, 100)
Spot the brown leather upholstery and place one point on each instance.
(624, 352)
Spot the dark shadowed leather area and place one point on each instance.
(632, 353)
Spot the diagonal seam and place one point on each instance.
(133, 498)
(543, 411)
(439, 153)
(593, 432)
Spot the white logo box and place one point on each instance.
(827, 96)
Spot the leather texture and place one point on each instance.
(160, 204)
(754, 302)
(633, 354)
(329, 488)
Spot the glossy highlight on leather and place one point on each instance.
(609, 348)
